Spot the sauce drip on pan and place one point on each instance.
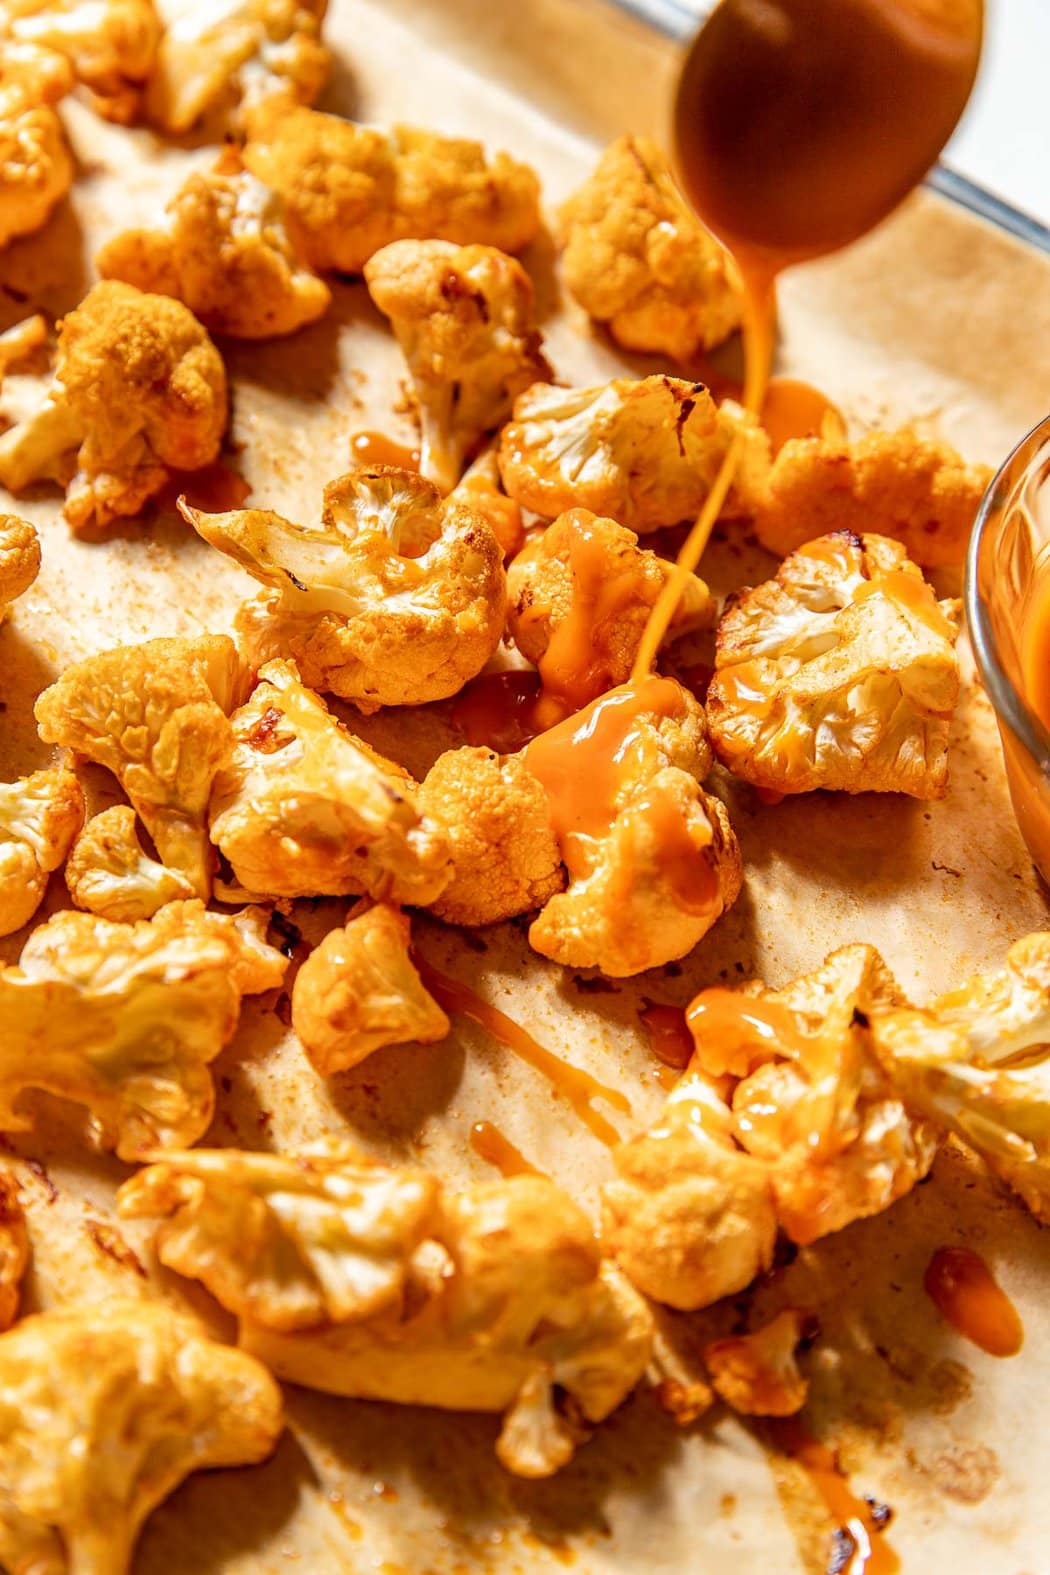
(500, 710)
(859, 1520)
(669, 1038)
(216, 488)
(489, 1143)
(793, 409)
(965, 1292)
(734, 1028)
(374, 448)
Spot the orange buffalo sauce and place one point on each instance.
(216, 488)
(860, 1520)
(500, 710)
(668, 1033)
(1035, 642)
(374, 448)
(489, 1143)
(734, 1030)
(965, 1292)
(913, 594)
(793, 409)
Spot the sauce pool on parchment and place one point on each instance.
(966, 1293)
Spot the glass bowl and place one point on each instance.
(1007, 603)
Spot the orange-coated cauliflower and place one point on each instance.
(19, 559)
(580, 596)
(303, 808)
(125, 1019)
(138, 390)
(104, 1410)
(689, 1217)
(652, 859)
(108, 873)
(36, 167)
(641, 451)
(463, 319)
(505, 856)
(156, 716)
(839, 673)
(637, 259)
(358, 991)
(39, 817)
(264, 53)
(14, 1248)
(757, 1374)
(490, 1299)
(914, 489)
(110, 44)
(480, 488)
(396, 598)
(353, 189)
(225, 251)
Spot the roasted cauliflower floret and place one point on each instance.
(14, 1248)
(39, 817)
(111, 44)
(292, 1242)
(637, 259)
(104, 1410)
(652, 858)
(580, 596)
(396, 598)
(463, 319)
(109, 874)
(19, 559)
(138, 390)
(302, 808)
(914, 489)
(353, 189)
(839, 673)
(225, 251)
(481, 489)
(757, 1374)
(36, 167)
(156, 716)
(358, 991)
(689, 1217)
(505, 857)
(124, 1019)
(266, 53)
(641, 451)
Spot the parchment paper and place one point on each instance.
(936, 318)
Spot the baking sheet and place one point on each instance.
(937, 318)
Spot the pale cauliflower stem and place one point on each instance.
(916, 489)
(757, 1374)
(254, 51)
(225, 251)
(397, 597)
(358, 991)
(303, 808)
(19, 559)
(481, 488)
(641, 451)
(839, 673)
(14, 1248)
(354, 189)
(489, 1299)
(637, 259)
(505, 856)
(655, 862)
(108, 873)
(39, 817)
(156, 716)
(111, 44)
(104, 1410)
(580, 596)
(125, 1019)
(138, 390)
(36, 166)
(463, 318)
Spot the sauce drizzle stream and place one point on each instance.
(489, 1143)
(871, 1553)
(964, 1291)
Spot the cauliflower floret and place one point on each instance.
(156, 716)
(292, 1242)
(108, 873)
(266, 53)
(652, 858)
(353, 189)
(302, 808)
(39, 817)
(36, 167)
(481, 489)
(690, 1217)
(124, 1019)
(19, 559)
(505, 856)
(757, 1373)
(225, 251)
(637, 259)
(104, 1410)
(358, 991)
(580, 596)
(14, 1248)
(138, 389)
(642, 451)
(463, 319)
(111, 44)
(839, 673)
(917, 490)
(396, 598)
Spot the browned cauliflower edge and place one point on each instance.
(39, 817)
